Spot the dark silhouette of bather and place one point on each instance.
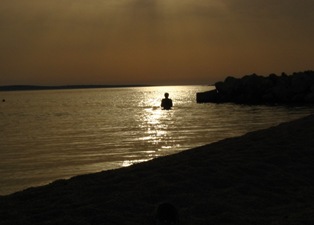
(166, 103)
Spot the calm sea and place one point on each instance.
(54, 134)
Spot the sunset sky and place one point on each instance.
(162, 42)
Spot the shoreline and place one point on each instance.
(262, 177)
(65, 87)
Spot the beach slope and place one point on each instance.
(263, 177)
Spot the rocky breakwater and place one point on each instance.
(297, 88)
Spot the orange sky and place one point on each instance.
(163, 42)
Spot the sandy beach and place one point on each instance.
(263, 177)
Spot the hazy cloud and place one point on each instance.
(139, 37)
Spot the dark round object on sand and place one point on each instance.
(166, 214)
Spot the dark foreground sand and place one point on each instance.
(263, 177)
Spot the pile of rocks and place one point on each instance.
(254, 89)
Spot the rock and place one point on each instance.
(208, 96)
(255, 89)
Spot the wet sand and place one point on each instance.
(263, 177)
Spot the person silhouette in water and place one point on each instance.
(166, 103)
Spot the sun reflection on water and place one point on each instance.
(156, 125)
(126, 163)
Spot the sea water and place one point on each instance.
(56, 134)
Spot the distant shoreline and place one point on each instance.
(39, 87)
